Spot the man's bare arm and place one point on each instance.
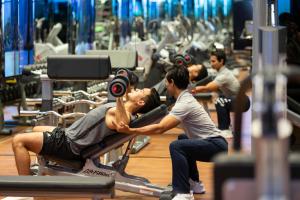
(121, 115)
(117, 115)
(210, 87)
(165, 124)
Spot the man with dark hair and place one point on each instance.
(227, 85)
(88, 130)
(201, 141)
(220, 55)
(197, 72)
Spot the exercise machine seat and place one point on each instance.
(75, 186)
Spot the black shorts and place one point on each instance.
(56, 144)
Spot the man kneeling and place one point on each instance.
(88, 130)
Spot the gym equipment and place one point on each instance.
(96, 188)
(144, 50)
(52, 46)
(182, 60)
(81, 67)
(90, 164)
(49, 118)
(276, 176)
(119, 84)
(72, 67)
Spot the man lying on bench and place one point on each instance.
(88, 130)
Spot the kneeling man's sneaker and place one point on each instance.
(180, 196)
(197, 187)
(227, 133)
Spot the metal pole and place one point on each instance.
(270, 128)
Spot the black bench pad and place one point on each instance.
(56, 186)
(78, 67)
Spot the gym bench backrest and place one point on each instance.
(79, 67)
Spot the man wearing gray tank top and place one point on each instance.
(68, 143)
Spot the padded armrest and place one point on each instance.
(56, 186)
(203, 96)
(203, 81)
(293, 105)
(293, 117)
(79, 67)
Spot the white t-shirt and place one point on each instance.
(227, 82)
(194, 119)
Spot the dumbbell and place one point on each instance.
(119, 84)
(182, 60)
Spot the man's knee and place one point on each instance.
(173, 146)
(17, 142)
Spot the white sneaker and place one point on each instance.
(183, 197)
(227, 133)
(197, 187)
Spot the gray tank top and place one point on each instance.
(89, 129)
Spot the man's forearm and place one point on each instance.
(201, 89)
(147, 130)
(121, 114)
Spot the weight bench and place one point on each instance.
(90, 164)
(63, 186)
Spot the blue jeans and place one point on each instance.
(184, 154)
(226, 105)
